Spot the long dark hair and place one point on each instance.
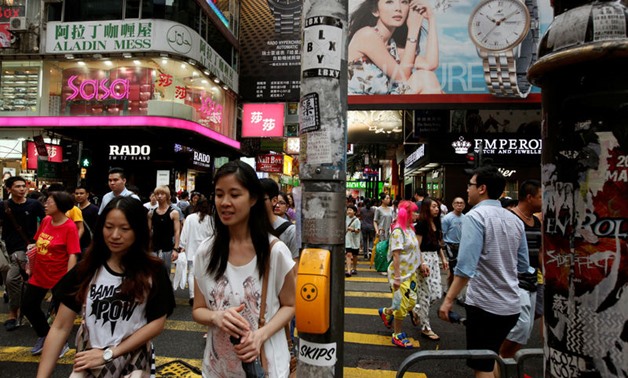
(259, 223)
(140, 266)
(363, 17)
(202, 208)
(425, 215)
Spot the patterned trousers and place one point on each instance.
(429, 289)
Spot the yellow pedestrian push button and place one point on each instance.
(312, 305)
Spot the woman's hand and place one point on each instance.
(396, 283)
(423, 7)
(88, 359)
(250, 346)
(425, 270)
(231, 322)
(445, 264)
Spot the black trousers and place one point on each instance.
(31, 308)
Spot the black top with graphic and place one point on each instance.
(160, 300)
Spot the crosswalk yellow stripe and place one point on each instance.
(372, 294)
(360, 311)
(350, 372)
(370, 339)
(366, 279)
(23, 355)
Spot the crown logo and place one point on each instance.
(461, 146)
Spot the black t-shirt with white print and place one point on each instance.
(109, 317)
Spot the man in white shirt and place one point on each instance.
(117, 184)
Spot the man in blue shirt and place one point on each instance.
(452, 228)
(493, 250)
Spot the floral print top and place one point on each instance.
(366, 78)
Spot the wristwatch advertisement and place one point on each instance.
(287, 15)
(506, 35)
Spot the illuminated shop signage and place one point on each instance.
(99, 89)
(197, 158)
(293, 146)
(356, 184)
(201, 159)
(415, 156)
(272, 163)
(129, 152)
(262, 120)
(499, 146)
(118, 36)
(55, 154)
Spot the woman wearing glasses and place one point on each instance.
(281, 206)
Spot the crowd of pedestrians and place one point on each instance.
(64, 249)
(89, 253)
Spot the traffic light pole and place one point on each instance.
(323, 131)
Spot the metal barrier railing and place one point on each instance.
(507, 366)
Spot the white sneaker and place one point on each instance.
(64, 350)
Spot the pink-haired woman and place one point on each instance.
(406, 259)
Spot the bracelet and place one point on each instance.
(423, 263)
(412, 40)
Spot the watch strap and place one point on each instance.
(505, 72)
(287, 23)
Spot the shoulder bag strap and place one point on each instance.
(18, 228)
(350, 223)
(282, 227)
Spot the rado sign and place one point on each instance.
(201, 159)
(129, 152)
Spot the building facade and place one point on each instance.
(150, 86)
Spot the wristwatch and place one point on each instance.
(506, 35)
(107, 355)
(287, 14)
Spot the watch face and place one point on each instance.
(499, 24)
(286, 5)
(108, 353)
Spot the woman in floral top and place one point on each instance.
(384, 54)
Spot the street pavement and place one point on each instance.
(368, 351)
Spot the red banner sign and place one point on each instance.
(55, 154)
(272, 163)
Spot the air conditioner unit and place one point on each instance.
(17, 23)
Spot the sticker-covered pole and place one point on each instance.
(323, 132)
(582, 73)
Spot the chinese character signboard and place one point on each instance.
(262, 120)
(137, 36)
(272, 163)
(55, 154)
(270, 65)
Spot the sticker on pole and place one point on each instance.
(310, 118)
(317, 354)
(322, 41)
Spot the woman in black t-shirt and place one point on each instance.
(128, 294)
(429, 287)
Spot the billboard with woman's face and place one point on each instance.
(425, 47)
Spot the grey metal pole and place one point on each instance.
(323, 130)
